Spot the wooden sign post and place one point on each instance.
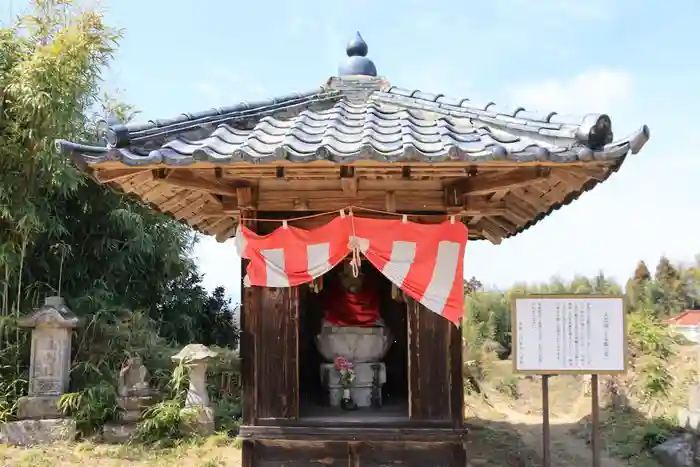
(569, 334)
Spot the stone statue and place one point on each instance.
(133, 378)
(351, 301)
(134, 398)
(353, 332)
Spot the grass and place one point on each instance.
(215, 451)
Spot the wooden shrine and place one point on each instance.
(355, 141)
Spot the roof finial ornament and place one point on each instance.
(357, 62)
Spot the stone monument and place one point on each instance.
(49, 367)
(135, 396)
(197, 406)
(52, 327)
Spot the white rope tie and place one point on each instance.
(354, 245)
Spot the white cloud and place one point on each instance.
(591, 91)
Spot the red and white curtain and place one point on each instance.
(424, 260)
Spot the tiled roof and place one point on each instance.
(686, 318)
(361, 117)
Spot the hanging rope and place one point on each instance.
(335, 213)
(354, 245)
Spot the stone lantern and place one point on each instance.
(196, 357)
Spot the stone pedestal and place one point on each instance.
(124, 430)
(34, 432)
(49, 369)
(364, 348)
(355, 344)
(197, 411)
(366, 390)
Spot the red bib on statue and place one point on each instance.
(342, 307)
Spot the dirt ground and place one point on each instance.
(570, 410)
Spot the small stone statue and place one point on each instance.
(133, 378)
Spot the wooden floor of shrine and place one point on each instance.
(316, 413)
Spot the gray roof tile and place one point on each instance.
(359, 117)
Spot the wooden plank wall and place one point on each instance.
(248, 322)
(436, 388)
(269, 351)
(277, 353)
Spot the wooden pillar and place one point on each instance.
(277, 369)
(250, 308)
(435, 367)
(269, 352)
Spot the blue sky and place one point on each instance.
(636, 61)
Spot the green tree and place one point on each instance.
(581, 285)
(641, 272)
(125, 269)
(670, 290)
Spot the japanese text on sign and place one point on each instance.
(569, 334)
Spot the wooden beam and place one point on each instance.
(482, 207)
(190, 208)
(185, 179)
(484, 184)
(179, 199)
(228, 232)
(332, 200)
(348, 180)
(504, 223)
(570, 177)
(390, 201)
(518, 211)
(531, 197)
(348, 185)
(245, 197)
(492, 235)
(596, 172)
(116, 175)
(557, 193)
(152, 193)
(495, 232)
